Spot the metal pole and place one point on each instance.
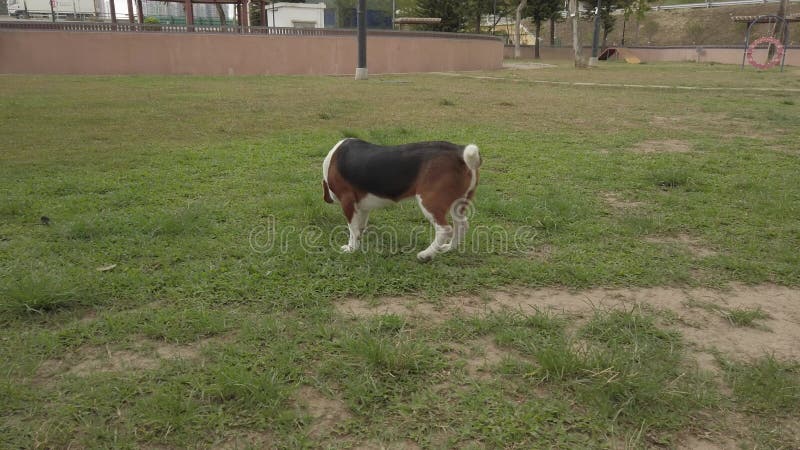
(361, 69)
(393, 9)
(596, 38)
(53, 10)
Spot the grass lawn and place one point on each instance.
(188, 291)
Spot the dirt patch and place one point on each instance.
(691, 244)
(706, 330)
(542, 252)
(401, 306)
(786, 149)
(697, 443)
(723, 123)
(170, 351)
(706, 362)
(665, 146)
(377, 445)
(247, 440)
(97, 360)
(526, 65)
(325, 411)
(145, 355)
(89, 317)
(617, 202)
(479, 357)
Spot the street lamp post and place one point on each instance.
(361, 17)
(596, 38)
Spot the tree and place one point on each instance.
(633, 8)
(517, 26)
(465, 15)
(556, 17)
(778, 30)
(607, 21)
(452, 13)
(650, 29)
(502, 9)
(221, 14)
(576, 41)
(475, 10)
(539, 11)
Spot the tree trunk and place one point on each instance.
(552, 32)
(221, 14)
(538, 28)
(478, 16)
(783, 11)
(777, 30)
(140, 11)
(521, 6)
(576, 41)
(783, 8)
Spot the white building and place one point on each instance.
(296, 15)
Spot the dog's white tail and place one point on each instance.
(472, 157)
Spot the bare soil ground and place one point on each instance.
(701, 315)
(698, 313)
(663, 146)
(143, 355)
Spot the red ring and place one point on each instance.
(776, 58)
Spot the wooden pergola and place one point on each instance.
(764, 18)
(241, 8)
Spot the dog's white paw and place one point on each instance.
(446, 247)
(347, 248)
(425, 256)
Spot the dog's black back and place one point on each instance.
(388, 171)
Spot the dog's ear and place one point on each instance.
(326, 193)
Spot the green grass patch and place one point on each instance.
(766, 385)
(745, 317)
(204, 192)
(740, 316)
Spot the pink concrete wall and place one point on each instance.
(717, 55)
(655, 54)
(64, 52)
(551, 53)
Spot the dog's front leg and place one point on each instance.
(355, 227)
(354, 224)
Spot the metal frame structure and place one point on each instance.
(767, 19)
(242, 11)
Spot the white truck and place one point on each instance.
(65, 9)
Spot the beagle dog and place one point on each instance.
(442, 176)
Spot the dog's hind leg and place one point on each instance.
(444, 232)
(459, 213)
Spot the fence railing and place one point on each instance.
(711, 4)
(234, 29)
